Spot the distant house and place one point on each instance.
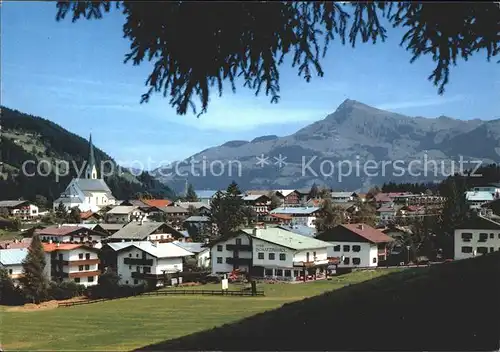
(201, 207)
(342, 197)
(201, 253)
(386, 213)
(90, 217)
(300, 215)
(21, 209)
(289, 197)
(12, 260)
(359, 245)
(108, 229)
(8, 244)
(304, 194)
(258, 203)
(69, 234)
(205, 196)
(477, 235)
(157, 202)
(279, 219)
(125, 214)
(476, 199)
(493, 188)
(148, 262)
(175, 214)
(135, 203)
(146, 231)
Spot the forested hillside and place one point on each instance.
(26, 137)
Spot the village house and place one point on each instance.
(492, 188)
(201, 223)
(386, 213)
(270, 253)
(341, 197)
(175, 214)
(74, 233)
(72, 262)
(278, 219)
(125, 214)
(475, 199)
(477, 235)
(89, 192)
(205, 196)
(146, 231)
(12, 260)
(16, 243)
(201, 253)
(304, 194)
(146, 262)
(288, 197)
(258, 203)
(300, 215)
(89, 217)
(21, 209)
(358, 245)
(201, 208)
(108, 229)
(418, 199)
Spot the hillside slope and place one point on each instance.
(26, 137)
(355, 131)
(445, 307)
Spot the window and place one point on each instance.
(336, 248)
(87, 256)
(260, 255)
(483, 237)
(87, 267)
(492, 249)
(10, 271)
(130, 255)
(136, 282)
(80, 256)
(238, 241)
(219, 248)
(77, 280)
(219, 260)
(295, 273)
(347, 248)
(492, 235)
(356, 261)
(80, 268)
(126, 282)
(356, 248)
(314, 255)
(482, 250)
(271, 256)
(268, 272)
(90, 279)
(288, 273)
(346, 260)
(279, 272)
(146, 269)
(374, 260)
(138, 269)
(466, 249)
(137, 255)
(130, 267)
(282, 256)
(466, 236)
(90, 238)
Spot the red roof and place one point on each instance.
(281, 216)
(59, 231)
(85, 215)
(51, 247)
(157, 202)
(24, 243)
(368, 232)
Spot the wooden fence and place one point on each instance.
(79, 303)
(204, 292)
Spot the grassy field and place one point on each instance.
(134, 322)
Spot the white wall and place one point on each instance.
(170, 265)
(321, 254)
(491, 244)
(73, 256)
(266, 248)
(368, 252)
(224, 253)
(203, 259)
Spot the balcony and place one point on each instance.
(138, 261)
(239, 247)
(239, 261)
(139, 275)
(83, 274)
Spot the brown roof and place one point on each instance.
(24, 243)
(59, 231)
(51, 247)
(281, 216)
(368, 232)
(157, 202)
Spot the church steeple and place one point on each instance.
(91, 171)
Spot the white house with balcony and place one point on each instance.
(21, 209)
(342, 197)
(300, 215)
(476, 236)
(72, 262)
(357, 245)
(125, 214)
(148, 262)
(12, 260)
(270, 252)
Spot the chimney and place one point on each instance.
(50, 241)
(360, 226)
(57, 244)
(255, 231)
(58, 226)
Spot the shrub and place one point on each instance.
(65, 290)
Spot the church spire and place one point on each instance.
(91, 171)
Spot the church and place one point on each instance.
(88, 192)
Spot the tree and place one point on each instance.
(372, 192)
(61, 212)
(251, 40)
(41, 201)
(233, 189)
(275, 201)
(325, 192)
(191, 194)
(331, 216)
(250, 215)
(366, 213)
(34, 281)
(195, 232)
(9, 294)
(74, 216)
(227, 211)
(314, 192)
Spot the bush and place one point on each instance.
(9, 294)
(65, 290)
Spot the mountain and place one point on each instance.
(352, 135)
(30, 138)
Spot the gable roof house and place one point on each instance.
(258, 202)
(74, 233)
(147, 262)
(359, 245)
(476, 236)
(201, 208)
(339, 197)
(21, 209)
(300, 215)
(146, 231)
(12, 260)
(125, 214)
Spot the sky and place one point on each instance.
(74, 75)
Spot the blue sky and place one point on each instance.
(73, 74)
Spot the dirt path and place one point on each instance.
(30, 307)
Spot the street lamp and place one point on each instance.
(408, 251)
